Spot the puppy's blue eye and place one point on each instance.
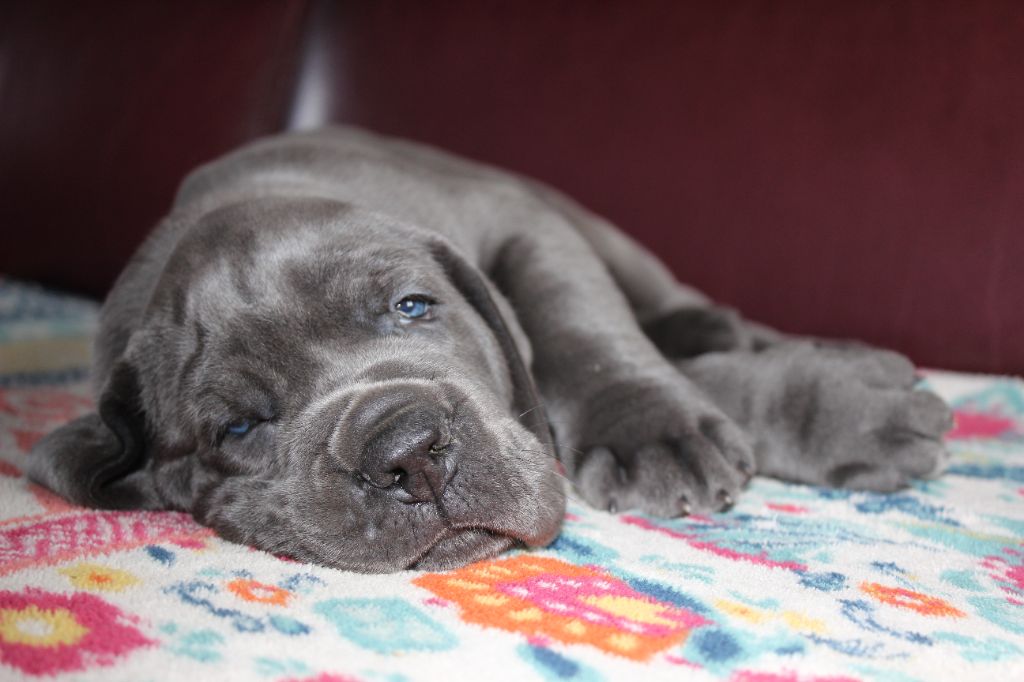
(412, 307)
(240, 428)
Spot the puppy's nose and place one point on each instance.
(408, 453)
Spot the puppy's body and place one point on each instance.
(264, 362)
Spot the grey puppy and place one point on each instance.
(369, 354)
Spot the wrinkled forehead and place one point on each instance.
(283, 306)
(295, 257)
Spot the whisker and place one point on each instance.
(539, 452)
(563, 446)
(535, 468)
(535, 407)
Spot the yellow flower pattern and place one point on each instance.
(99, 578)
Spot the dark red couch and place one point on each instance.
(836, 168)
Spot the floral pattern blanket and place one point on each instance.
(794, 584)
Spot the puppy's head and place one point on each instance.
(324, 383)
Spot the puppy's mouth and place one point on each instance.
(460, 546)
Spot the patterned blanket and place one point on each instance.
(794, 584)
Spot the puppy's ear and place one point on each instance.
(471, 284)
(97, 460)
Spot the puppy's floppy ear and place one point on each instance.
(471, 284)
(97, 460)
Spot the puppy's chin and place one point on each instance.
(460, 547)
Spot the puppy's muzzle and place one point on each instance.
(399, 439)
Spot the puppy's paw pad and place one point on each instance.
(665, 451)
(688, 332)
(730, 442)
(666, 480)
(860, 476)
(910, 440)
(923, 413)
(874, 367)
(885, 368)
(913, 455)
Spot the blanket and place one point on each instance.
(795, 583)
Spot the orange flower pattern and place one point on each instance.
(254, 591)
(539, 596)
(908, 599)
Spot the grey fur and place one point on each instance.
(268, 294)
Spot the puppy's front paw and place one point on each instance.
(852, 418)
(660, 447)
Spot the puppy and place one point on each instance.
(369, 354)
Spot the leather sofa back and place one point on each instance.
(844, 169)
(105, 106)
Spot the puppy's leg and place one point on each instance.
(829, 414)
(826, 413)
(681, 321)
(632, 431)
